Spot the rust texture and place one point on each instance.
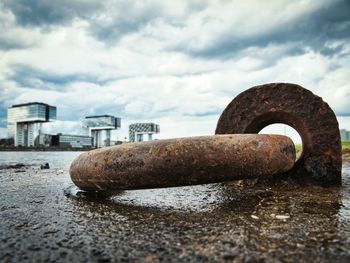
(316, 123)
(184, 161)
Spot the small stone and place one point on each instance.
(254, 217)
(282, 217)
(229, 256)
(45, 166)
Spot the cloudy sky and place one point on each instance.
(176, 63)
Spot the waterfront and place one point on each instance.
(55, 159)
(44, 218)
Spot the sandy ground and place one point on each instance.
(44, 218)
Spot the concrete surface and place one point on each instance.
(44, 218)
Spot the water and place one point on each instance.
(60, 160)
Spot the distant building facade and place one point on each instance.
(65, 140)
(344, 135)
(24, 122)
(138, 130)
(99, 128)
(74, 141)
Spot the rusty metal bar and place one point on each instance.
(185, 161)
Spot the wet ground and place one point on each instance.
(44, 218)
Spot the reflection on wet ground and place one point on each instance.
(240, 221)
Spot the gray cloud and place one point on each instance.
(7, 43)
(313, 31)
(27, 76)
(111, 20)
(126, 17)
(47, 13)
(108, 20)
(77, 110)
(215, 112)
(123, 18)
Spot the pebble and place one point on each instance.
(282, 217)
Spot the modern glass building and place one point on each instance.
(99, 128)
(65, 140)
(74, 141)
(24, 121)
(137, 131)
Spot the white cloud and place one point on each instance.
(65, 127)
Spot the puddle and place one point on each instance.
(188, 198)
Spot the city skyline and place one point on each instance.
(174, 63)
(25, 128)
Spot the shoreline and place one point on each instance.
(43, 149)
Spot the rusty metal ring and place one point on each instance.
(308, 114)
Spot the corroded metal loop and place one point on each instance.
(184, 161)
(316, 123)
